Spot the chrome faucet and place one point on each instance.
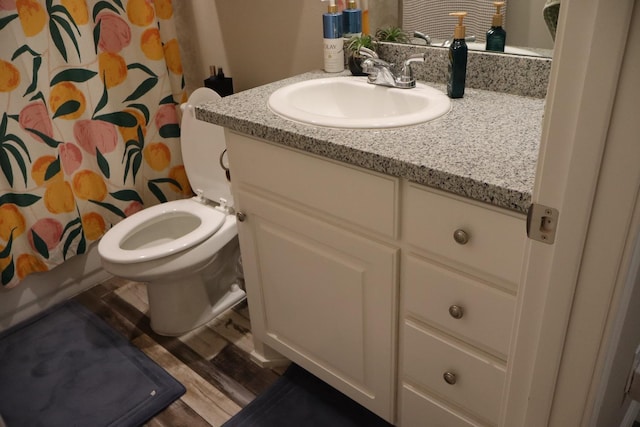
(426, 38)
(379, 72)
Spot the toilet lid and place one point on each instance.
(202, 145)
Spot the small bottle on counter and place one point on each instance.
(496, 36)
(457, 59)
(332, 38)
(219, 82)
(352, 20)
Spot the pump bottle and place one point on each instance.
(457, 59)
(333, 43)
(496, 36)
(352, 20)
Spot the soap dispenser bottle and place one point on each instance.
(457, 59)
(496, 36)
(333, 43)
(352, 20)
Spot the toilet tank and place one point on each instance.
(203, 145)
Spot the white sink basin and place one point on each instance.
(351, 102)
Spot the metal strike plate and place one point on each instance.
(541, 223)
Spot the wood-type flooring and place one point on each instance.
(212, 362)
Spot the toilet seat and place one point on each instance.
(202, 221)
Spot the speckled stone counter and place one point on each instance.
(485, 148)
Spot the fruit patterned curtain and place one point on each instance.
(89, 132)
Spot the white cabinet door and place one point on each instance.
(323, 297)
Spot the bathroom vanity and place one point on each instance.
(386, 262)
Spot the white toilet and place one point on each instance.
(185, 250)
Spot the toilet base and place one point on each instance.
(177, 314)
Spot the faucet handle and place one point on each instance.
(367, 53)
(406, 75)
(371, 65)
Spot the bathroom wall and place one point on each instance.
(526, 26)
(39, 291)
(259, 41)
(256, 41)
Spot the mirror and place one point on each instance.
(527, 32)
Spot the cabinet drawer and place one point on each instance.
(495, 238)
(478, 380)
(365, 199)
(440, 296)
(416, 408)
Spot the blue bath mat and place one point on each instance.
(66, 367)
(297, 399)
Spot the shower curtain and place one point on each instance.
(89, 126)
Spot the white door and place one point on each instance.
(589, 169)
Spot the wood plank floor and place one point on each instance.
(212, 362)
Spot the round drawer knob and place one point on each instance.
(241, 216)
(449, 377)
(461, 236)
(456, 311)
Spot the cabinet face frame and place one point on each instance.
(277, 222)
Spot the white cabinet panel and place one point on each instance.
(363, 198)
(430, 292)
(495, 238)
(326, 296)
(478, 379)
(420, 410)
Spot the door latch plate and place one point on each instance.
(542, 222)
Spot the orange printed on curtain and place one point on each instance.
(11, 221)
(58, 197)
(164, 9)
(93, 225)
(39, 170)
(172, 56)
(28, 263)
(9, 76)
(151, 44)
(140, 12)
(131, 133)
(67, 101)
(32, 16)
(78, 10)
(112, 69)
(179, 175)
(88, 185)
(157, 155)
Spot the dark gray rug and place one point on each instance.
(297, 399)
(67, 367)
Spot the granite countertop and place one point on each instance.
(485, 148)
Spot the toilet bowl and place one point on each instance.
(186, 251)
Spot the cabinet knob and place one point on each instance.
(241, 216)
(456, 311)
(461, 236)
(449, 377)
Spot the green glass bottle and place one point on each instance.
(496, 36)
(457, 59)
